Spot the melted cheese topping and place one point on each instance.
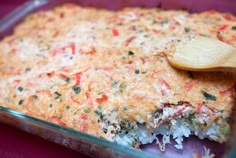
(92, 69)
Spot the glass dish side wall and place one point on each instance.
(70, 138)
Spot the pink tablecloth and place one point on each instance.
(18, 144)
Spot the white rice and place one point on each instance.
(177, 128)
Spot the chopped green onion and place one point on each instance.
(41, 41)
(76, 89)
(104, 130)
(57, 95)
(123, 58)
(209, 96)
(21, 102)
(142, 43)
(114, 84)
(99, 113)
(224, 130)
(35, 96)
(27, 69)
(20, 89)
(100, 93)
(162, 22)
(122, 87)
(125, 108)
(87, 110)
(137, 71)
(186, 29)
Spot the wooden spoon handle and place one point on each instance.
(231, 62)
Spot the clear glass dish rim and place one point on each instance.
(71, 132)
(16, 15)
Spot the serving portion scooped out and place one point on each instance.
(107, 74)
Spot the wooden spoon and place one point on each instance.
(204, 54)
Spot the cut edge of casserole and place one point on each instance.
(177, 122)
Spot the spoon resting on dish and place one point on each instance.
(203, 54)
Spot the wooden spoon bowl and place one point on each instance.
(204, 54)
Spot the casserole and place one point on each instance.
(206, 94)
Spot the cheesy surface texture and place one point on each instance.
(94, 70)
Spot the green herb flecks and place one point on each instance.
(125, 108)
(99, 113)
(137, 71)
(100, 93)
(41, 55)
(186, 29)
(209, 96)
(76, 89)
(224, 130)
(20, 89)
(57, 95)
(165, 21)
(104, 130)
(87, 110)
(122, 86)
(43, 49)
(125, 126)
(41, 41)
(27, 69)
(35, 96)
(142, 43)
(21, 102)
(114, 84)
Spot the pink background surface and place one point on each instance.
(17, 144)
(7, 6)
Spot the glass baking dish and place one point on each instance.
(81, 142)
